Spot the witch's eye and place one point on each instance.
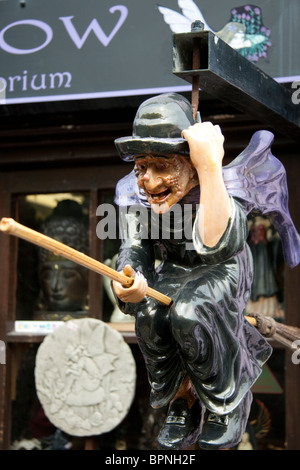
(163, 165)
(141, 167)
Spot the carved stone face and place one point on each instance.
(64, 285)
(164, 179)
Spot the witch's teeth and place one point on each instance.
(157, 197)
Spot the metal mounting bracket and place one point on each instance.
(224, 73)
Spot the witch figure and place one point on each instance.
(201, 354)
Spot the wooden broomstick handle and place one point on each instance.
(11, 227)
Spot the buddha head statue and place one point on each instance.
(64, 284)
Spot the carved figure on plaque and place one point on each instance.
(85, 377)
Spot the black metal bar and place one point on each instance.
(225, 74)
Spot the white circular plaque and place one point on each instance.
(85, 376)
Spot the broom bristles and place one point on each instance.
(287, 335)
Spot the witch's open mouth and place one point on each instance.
(160, 197)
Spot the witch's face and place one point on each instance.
(164, 179)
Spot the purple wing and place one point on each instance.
(258, 179)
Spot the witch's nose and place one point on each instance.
(152, 180)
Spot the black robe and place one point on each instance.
(203, 334)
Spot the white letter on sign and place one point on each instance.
(95, 27)
(38, 24)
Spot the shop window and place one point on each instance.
(50, 287)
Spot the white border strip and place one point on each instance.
(294, 78)
(118, 93)
(102, 94)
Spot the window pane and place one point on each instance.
(50, 287)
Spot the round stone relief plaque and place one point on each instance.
(85, 377)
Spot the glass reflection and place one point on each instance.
(51, 287)
(64, 284)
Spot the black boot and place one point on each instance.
(226, 431)
(181, 428)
